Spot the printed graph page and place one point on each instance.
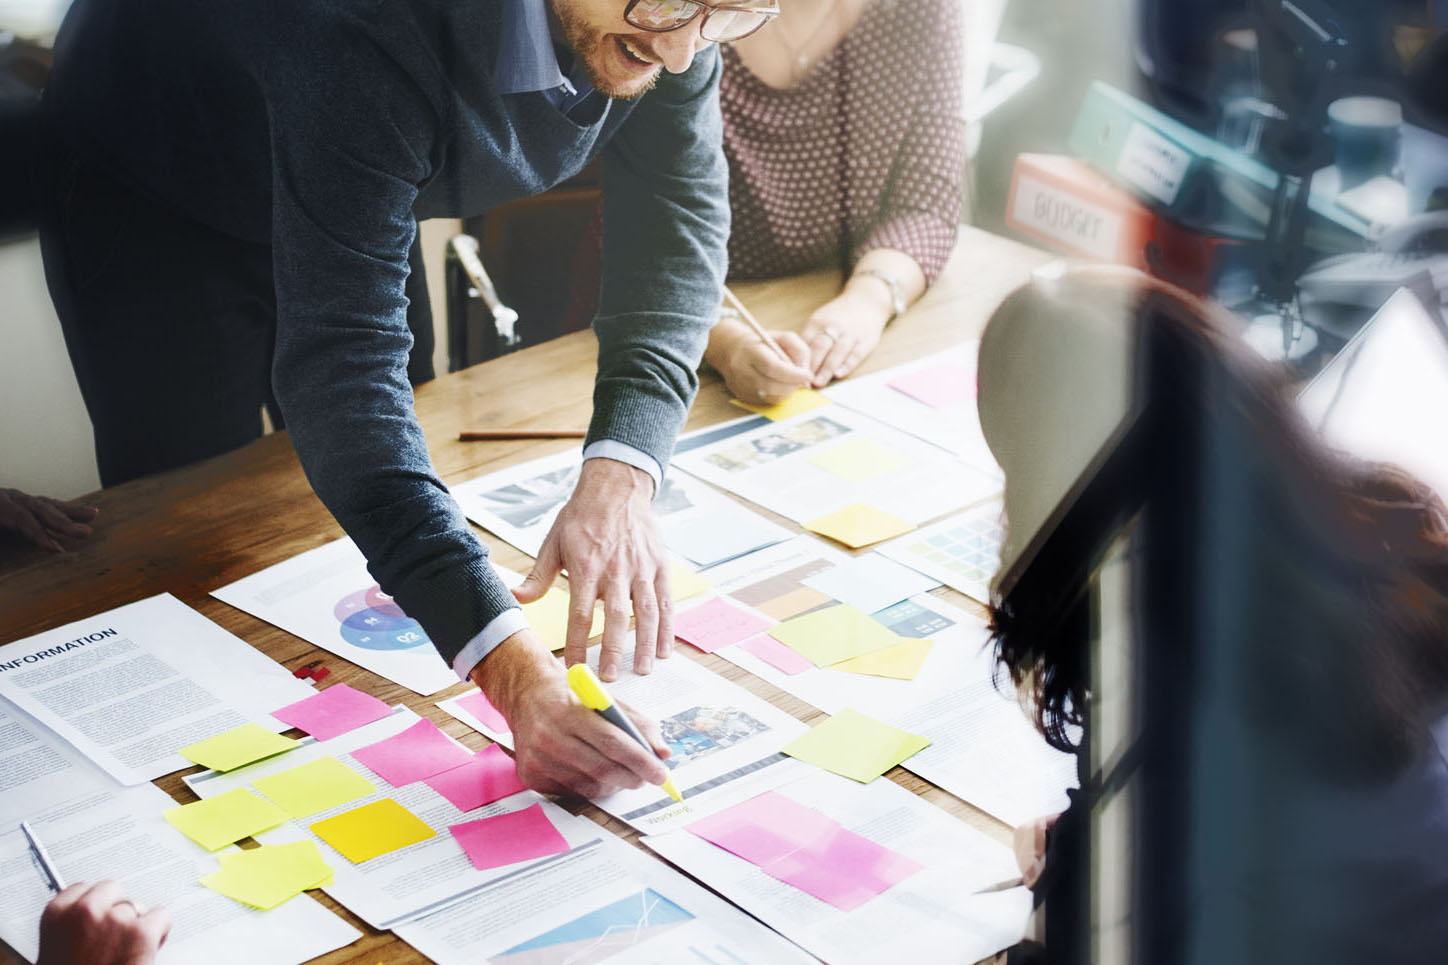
(962, 551)
(830, 458)
(131, 686)
(935, 908)
(602, 901)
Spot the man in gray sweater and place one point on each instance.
(237, 191)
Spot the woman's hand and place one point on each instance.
(752, 370)
(1030, 847)
(845, 330)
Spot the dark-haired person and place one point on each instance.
(1323, 833)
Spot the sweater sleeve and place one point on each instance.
(921, 211)
(665, 222)
(350, 136)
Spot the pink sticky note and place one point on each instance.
(477, 704)
(509, 838)
(762, 829)
(333, 711)
(843, 868)
(716, 624)
(939, 387)
(489, 776)
(777, 655)
(418, 752)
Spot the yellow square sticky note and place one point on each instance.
(549, 618)
(371, 830)
(801, 401)
(315, 786)
(859, 525)
(859, 459)
(225, 819)
(833, 634)
(795, 602)
(685, 583)
(901, 661)
(233, 748)
(267, 876)
(858, 747)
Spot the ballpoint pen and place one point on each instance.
(52, 876)
(589, 690)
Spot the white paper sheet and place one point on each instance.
(131, 686)
(604, 900)
(870, 582)
(520, 503)
(773, 464)
(38, 770)
(327, 597)
(961, 551)
(934, 915)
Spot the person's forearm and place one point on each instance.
(514, 667)
(893, 262)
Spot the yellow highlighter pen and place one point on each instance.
(590, 690)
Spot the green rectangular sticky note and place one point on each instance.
(236, 747)
(267, 876)
(856, 746)
(225, 819)
(833, 634)
(315, 786)
(371, 830)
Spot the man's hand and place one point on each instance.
(98, 925)
(41, 519)
(561, 746)
(605, 538)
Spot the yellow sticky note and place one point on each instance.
(315, 786)
(855, 746)
(859, 459)
(902, 661)
(685, 583)
(859, 525)
(795, 602)
(371, 830)
(801, 401)
(233, 748)
(225, 819)
(549, 618)
(833, 634)
(267, 876)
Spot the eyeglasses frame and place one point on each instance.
(707, 9)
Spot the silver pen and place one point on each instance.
(57, 883)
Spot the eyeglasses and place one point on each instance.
(723, 22)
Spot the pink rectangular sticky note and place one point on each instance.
(716, 624)
(477, 704)
(333, 712)
(939, 387)
(777, 655)
(486, 778)
(509, 838)
(843, 868)
(762, 829)
(418, 752)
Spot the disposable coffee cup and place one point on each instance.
(1366, 134)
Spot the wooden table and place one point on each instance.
(192, 530)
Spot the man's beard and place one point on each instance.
(590, 47)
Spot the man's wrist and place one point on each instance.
(513, 668)
(613, 479)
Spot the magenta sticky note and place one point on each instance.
(762, 829)
(716, 624)
(939, 387)
(843, 868)
(332, 712)
(509, 838)
(777, 655)
(417, 753)
(488, 777)
(477, 704)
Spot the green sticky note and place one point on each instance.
(859, 459)
(796, 403)
(858, 747)
(833, 634)
(267, 876)
(859, 525)
(371, 830)
(901, 661)
(236, 747)
(315, 786)
(225, 819)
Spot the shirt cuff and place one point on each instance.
(625, 453)
(500, 628)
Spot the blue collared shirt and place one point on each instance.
(528, 61)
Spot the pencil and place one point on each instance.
(490, 435)
(52, 876)
(754, 325)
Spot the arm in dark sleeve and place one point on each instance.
(666, 219)
(351, 134)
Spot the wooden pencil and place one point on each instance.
(733, 301)
(493, 435)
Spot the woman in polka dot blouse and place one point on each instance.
(843, 131)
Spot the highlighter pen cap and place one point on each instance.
(587, 688)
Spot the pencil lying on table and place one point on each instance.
(489, 435)
(748, 318)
